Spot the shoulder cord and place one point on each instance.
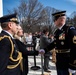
(19, 57)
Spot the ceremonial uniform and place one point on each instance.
(8, 56)
(72, 42)
(11, 53)
(61, 43)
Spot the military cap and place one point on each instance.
(58, 14)
(9, 18)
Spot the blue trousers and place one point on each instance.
(62, 72)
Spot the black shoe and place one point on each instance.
(47, 70)
(48, 67)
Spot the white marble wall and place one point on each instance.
(1, 11)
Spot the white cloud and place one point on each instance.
(73, 1)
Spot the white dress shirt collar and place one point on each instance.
(8, 33)
(60, 27)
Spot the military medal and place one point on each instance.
(62, 36)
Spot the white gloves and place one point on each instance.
(41, 51)
(71, 71)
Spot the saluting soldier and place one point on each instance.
(62, 43)
(11, 53)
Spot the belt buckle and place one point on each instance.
(60, 51)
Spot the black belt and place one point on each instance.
(62, 51)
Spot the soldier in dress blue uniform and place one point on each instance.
(11, 51)
(72, 45)
(63, 42)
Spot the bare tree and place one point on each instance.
(31, 12)
(74, 21)
(49, 20)
(71, 21)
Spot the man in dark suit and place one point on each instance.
(62, 42)
(10, 52)
(44, 41)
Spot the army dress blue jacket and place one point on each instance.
(64, 41)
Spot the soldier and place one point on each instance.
(62, 43)
(72, 45)
(10, 52)
(9, 62)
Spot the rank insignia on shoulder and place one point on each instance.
(74, 39)
(62, 36)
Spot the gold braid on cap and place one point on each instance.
(59, 14)
(13, 19)
(19, 57)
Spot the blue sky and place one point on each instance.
(9, 5)
(68, 5)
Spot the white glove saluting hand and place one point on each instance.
(41, 51)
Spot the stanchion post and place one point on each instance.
(35, 67)
(42, 70)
